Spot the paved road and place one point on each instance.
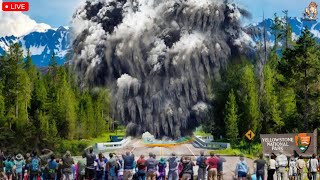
(137, 147)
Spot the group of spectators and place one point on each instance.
(292, 168)
(125, 167)
(295, 167)
(34, 167)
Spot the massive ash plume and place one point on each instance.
(157, 57)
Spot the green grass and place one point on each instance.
(76, 147)
(105, 137)
(233, 152)
(201, 133)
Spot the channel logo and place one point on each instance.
(15, 6)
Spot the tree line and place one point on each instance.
(276, 91)
(40, 107)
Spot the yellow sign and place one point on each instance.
(250, 135)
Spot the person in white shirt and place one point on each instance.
(281, 164)
(271, 166)
(313, 165)
(293, 168)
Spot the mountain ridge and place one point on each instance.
(42, 45)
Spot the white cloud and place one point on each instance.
(19, 24)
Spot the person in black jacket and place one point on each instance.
(90, 168)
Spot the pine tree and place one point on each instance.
(287, 31)
(101, 110)
(231, 117)
(67, 106)
(270, 107)
(277, 30)
(300, 68)
(248, 93)
(30, 68)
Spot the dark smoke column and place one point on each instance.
(156, 56)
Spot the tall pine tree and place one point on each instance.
(231, 117)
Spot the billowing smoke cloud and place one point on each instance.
(157, 57)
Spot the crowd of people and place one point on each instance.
(293, 168)
(34, 167)
(126, 167)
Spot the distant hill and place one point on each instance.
(42, 44)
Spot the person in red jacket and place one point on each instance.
(212, 164)
(141, 165)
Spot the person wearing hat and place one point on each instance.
(162, 169)
(19, 162)
(67, 163)
(173, 167)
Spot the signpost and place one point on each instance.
(250, 135)
(304, 144)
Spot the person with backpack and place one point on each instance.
(52, 167)
(242, 169)
(201, 162)
(67, 162)
(187, 168)
(313, 165)
(220, 167)
(34, 166)
(90, 158)
(100, 168)
(112, 167)
(8, 164)
(162, 169)
(173, 167)
(128, 160)
(120, 168)
(260, 167)
(19, 163)
(281, 164)
(141, 165)
(151, 164)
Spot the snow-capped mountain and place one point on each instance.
(42, 45)
(297, 25)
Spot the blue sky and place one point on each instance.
(269, 7)
(53, 12)
(59, 12)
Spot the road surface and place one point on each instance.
(137, 147)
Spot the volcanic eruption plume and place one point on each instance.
(157, 57)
